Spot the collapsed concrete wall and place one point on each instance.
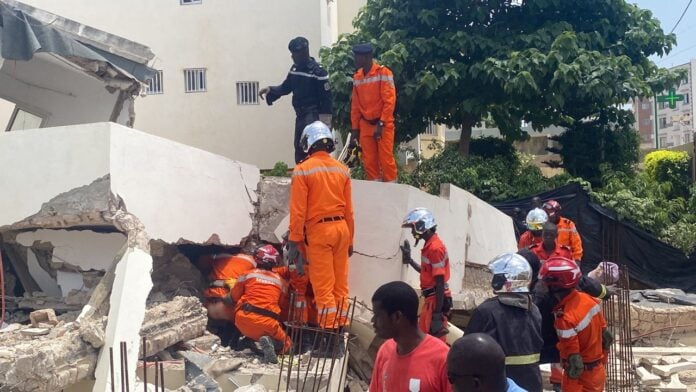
(102, 209)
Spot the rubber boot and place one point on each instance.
(269, 349)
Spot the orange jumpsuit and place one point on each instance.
(321, 215)
(299, 285)
(579, 324)
(559, 251)
(528, 239)
(568, 236)
(434, 262)
(374, 99)
(262, 290)
(225, 270)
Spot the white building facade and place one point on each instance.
(212, 57)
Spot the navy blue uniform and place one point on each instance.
(311, 96)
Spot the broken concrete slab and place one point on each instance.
(670, 360)
(660, 351)
(674, 385)
(646, 378)
(35, 331)
(47, 316)
(667, 370)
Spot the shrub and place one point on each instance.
(280, 169)
(671, 168)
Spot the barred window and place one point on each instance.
(247, 93)
(195, 80)
(155, 85)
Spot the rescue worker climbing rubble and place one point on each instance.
(512, 319)
(567, 232)
(535, 223)
(583, 338)
(434, 272)
(311, 92)
(321, 216)
(372, 115)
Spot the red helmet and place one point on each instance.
(266, 256)
(560, 272)
(552, 207)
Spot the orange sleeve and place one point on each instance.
(524, 241)
(438, 261)
(568, 342)
(298, 204)
(348, 213)
(238, 289)
(388, 92)
(355, 109)
(575, 242)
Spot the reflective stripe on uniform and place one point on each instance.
(249, 259)
(439, 264)
(373, 79)
(308, 75)
(571, 230)
(522, 359)
(569, 333)
(300, 304)
(262, 278)
(313, 170)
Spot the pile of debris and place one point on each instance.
(666, 369)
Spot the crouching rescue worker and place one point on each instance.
(583, 338)
(512, 319)
(258, 294)
(321, 216)
(434, 272)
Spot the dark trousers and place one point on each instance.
(526, 376)
(301, 121)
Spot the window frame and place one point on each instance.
(197, 72)
(160, 75)
(252, 93)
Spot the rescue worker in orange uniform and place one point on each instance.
(535, 223)
(299, 285)
(434, 272)
(225, 268)
(567, 233)
(549, 246)
(258, 294)
(583, 338)
(321, 216)
(372, 115)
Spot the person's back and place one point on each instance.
(225, 269)
(260, 288)
(421, 370)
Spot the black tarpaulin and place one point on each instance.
(649, 260)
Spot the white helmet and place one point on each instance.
(313, 133)
(536, 219)
(420, 220)
(511, 273)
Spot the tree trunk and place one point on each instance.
(465, 139)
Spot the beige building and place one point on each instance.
(212, 57)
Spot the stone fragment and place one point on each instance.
(668, 370)
(674, 385)
(670, 360)
(92, 334)
(222, 366)
(205, 342)
(47, 316)
(11, 328)
(647, 378)
(7, 354)
(35, 331)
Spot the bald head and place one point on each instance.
(476, 363)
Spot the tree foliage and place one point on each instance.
(544, 61)
(607, 140)
(672, 168)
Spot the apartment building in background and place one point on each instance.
(675, 126)
(212, 57)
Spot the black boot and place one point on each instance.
(268, 347)
(330, 346)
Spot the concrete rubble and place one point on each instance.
(671, 369)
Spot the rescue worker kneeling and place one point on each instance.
(257, 295)
(583, 338)
(513, 320)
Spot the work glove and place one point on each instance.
(378, 133)
(326, 119)
(575, 366)
(436, 326)
(299, 264)
(350, 251)
(611, 290)
(263, 92)
(406, 253)
(607, 339)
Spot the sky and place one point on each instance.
(668, 12)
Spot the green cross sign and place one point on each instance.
(672, 98)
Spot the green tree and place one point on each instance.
(544, 61)
(606, 142)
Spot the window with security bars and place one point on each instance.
(247, 93)
(195, 80)
(154, 85)
(188, 2)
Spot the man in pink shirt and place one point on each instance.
(410, 361)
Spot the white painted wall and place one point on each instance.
(6, 109)
(235, 41)
(178, 192)
(347, 11)
(49, 88)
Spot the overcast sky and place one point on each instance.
(668, 12)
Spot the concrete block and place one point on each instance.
(47, 316)
(35, 331)
(649, 362)
(668, 370)
(647, 378)
(674, 385)
(670, 360)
